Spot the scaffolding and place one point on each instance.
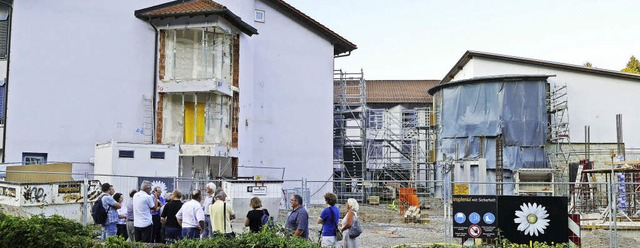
(377, 144)
(558, 109)
(349, 129)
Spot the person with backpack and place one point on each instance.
(105, 211)
(329, 220)
(349, 221)
(257, 217)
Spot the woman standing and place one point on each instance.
(329, 220)
(254, 217)
(121, 226)
(352, 215)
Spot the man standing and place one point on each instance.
(158, 201)
(298, 220)
(191, 217)
(221, 215)
(142, 207)
(172, 229)
(130, 228)
(208, 200)
(111, 206)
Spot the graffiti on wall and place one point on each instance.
(33, 194)
(8, 191)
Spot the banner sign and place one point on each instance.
(533, 218)
(474, 216)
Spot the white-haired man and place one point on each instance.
(208, 200)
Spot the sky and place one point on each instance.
(423, 39)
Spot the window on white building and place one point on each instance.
(197, 54)
(34, 158)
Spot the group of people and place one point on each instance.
(298, 221)
(149, 217)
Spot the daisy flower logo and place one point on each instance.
(532, 219)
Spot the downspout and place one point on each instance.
(155, 83)
(6, 82)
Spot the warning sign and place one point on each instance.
(474, 216)
(475, 231)
(461, 189)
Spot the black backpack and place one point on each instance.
(98, 213)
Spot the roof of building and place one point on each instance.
(493, 78)
(340, 44)
(471, 54)
(180, 8)
(190, 8)
(399, 91)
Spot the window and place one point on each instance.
(375, 118)
(34, 158)
(408, 119)
(4, 30)
(259, 16)
(196, 54)
(157, 155)
(125, 153)
(375, 148)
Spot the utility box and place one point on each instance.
(239, 194)
(538, 182)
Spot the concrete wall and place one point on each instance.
(94, 61)
(593, 99)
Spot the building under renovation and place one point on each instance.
(382, 131)
(503, 118)
(196, 88)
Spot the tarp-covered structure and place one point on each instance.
(478, 110)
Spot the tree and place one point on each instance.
(587, 64)
(633, 66)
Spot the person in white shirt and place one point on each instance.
(191, 217)
(208, 200)
(142, 207)
(122, 217)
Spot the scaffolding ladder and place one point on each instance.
(558, 109)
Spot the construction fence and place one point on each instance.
(72, 194)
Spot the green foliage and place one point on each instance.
(40, 231)
(633, 66)
(267, 238)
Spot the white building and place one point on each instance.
(234, 84)
(595, 95)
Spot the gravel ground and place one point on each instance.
(385, 228)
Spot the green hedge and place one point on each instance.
(39, 231)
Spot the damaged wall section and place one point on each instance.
(196, 118)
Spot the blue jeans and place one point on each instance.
(207, 227)
(191, 233)
(172, 234)
(108, 230)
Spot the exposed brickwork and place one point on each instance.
(162, 56)
(159, 119)
(235, 56)
(235, 119)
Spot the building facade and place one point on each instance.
(240, 87)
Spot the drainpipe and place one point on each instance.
(155, 82)
(6, 82)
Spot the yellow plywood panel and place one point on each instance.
(28, 173)
(200, 124)
(189, 112)
(188, 122)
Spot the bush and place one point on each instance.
(267, 238)
(40, 231)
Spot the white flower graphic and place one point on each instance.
(160, 184)
(532, 219)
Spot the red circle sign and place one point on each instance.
(474, 231)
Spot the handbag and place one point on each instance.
(232, 234)
(339, 235)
